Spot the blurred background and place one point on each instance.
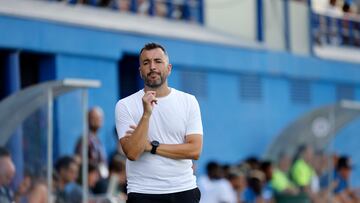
(275, 79)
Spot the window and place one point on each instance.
(250, 87)
(345, 92)
(300, 91)
(195, 83)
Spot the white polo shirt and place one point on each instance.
(174, 117)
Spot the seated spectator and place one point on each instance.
(267, 168)
(67, 191)
(254, 191)
(280, 181)
(237, 180)
(33, 188)
(143, 7)
(332, 9)
(7, 172)
(253, 162)
(92, 178)
(123, 5)
(115, 184)
(341, 178)
(214, 188)
(302, 171)
(161, 9)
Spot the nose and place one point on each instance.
(152, 66)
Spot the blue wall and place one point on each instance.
(234, 128)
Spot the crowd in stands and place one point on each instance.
(339, 23)
(307, 177)
(172, 9)
(106, 180)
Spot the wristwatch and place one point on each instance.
(154, 145)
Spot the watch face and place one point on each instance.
(155, 143)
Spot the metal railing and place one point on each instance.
(335, 30)
(184, 10)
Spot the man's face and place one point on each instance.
(154, 67)
(95, 119)
(345, 173)
(70, 174)
(7, 170)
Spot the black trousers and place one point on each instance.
(188, 196)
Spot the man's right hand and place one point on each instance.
(149, 100)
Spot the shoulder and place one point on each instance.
(189, 98)
(129, 100)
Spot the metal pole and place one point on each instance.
(286, 25)
(331, 150)
(85, 146)
(310, 18)
(49, 144)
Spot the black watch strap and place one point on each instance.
(154, 145)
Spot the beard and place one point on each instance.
(154, 83)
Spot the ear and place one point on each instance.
(140, 72)
(169, 68)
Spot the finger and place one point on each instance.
(133, 126)
(154, 101)
(129, 132)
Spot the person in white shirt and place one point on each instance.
(214, 187)
(160, 131)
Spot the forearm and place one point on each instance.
(191, 149)
(134, 145)
(178, 151)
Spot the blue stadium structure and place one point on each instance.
(248, 93)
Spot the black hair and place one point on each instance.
(4, 152)
(152, 45)
(64, 163)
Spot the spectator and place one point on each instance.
(115, 184)
(237, 180)
(280, 181)
(92, 178)
(254, 192)
(7, 172)
(253, 162)
(96, 151)
(33, 188)
(143, 7)
(347, 23)
(161, 9)
(68, 190)
(267, 168)
(332, 9)
(302, 171)
(343, 192)
(214, 188)
(124, 5)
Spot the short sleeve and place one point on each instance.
(194, 124)
(123, 119)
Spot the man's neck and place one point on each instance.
(161, 91)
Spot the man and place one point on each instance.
(67, 189)
(7, 172)
(160, 131)
(343, 191)
(214, 187)
(96, 151)
(280, 181)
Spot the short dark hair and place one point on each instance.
(212, 166)
(153, 45)
(64, 163)
(343, 163)
(4, 152)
